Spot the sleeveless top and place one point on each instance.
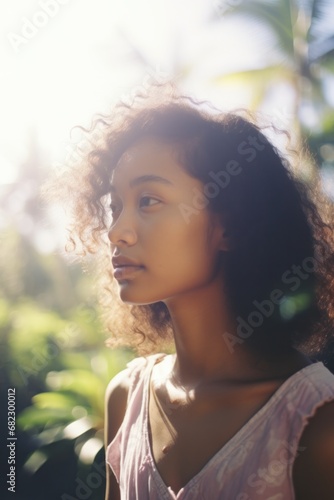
(255, 464)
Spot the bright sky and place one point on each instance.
(65, 60)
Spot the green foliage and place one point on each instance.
(52, 351)
(70, 414)
(51, 340)
(302, 47)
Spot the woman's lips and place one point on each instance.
(123, 272)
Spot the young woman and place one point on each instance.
(215, 245)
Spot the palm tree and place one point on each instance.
(303, 47)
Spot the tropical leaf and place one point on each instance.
(321, 49)
(33, 417)
(277, 15)
(320, 36)
(83, 383)
(54, 400)
(254, 75)
(303, 30)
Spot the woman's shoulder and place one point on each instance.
(118, 391)
(313, 468)
(120, 385)
(116, 396)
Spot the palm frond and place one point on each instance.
(278, 15)
(321, 33)
(267, 73)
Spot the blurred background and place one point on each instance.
(62, 62)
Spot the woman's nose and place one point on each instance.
(122, 231)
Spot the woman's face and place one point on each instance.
(177, 255)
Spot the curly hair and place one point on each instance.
(280, 272)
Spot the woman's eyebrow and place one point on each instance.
(145, 178)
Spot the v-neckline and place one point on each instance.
(228, 445)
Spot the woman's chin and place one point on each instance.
(135, 298)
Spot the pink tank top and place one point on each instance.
(255, 464)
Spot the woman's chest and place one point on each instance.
(185, 438)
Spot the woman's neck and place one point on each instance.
(202, 323)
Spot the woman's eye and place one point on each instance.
(146, 201)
